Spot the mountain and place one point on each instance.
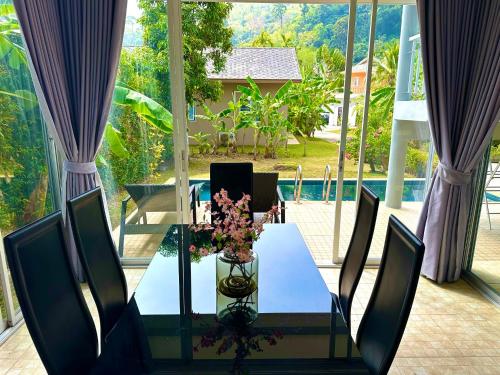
(311, 26)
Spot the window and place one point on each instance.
(27, 191)
(191, 112)
(137, 148)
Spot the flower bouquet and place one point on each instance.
(231, 236)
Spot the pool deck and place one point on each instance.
(316, 219)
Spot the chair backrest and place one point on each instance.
(384, 321)
(51, 300)
(264, 191)
(235, 178)
(99, 257)
(358, 249)
(153, 197)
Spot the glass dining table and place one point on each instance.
(170, 325)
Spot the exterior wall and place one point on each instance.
(243, 136)
(358, 82)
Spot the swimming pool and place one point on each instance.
(413, 189)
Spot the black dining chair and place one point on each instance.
(384, 320)
(235, 178)
(266, 194)
(98, 256)
(50, 297)
(357, 252)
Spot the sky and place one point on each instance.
(133, 9)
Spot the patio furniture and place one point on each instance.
(98, 257)
(357, 252)
(151, 198)
(384, 320)
(492, 188)
(51, 300)
(235, 178)
(266, 194)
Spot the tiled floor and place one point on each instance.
(451, 330)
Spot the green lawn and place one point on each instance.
(318, 153)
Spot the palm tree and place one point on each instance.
(385, 77)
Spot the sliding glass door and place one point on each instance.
(482, 257)
(389, 138)
(139, 160)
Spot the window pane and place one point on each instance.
(486, 261)
(137, 150)
(398, 152)
(26, 190)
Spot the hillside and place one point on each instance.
(311, 26)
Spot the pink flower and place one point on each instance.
(203, 251)
(233, 230)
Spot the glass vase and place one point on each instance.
(237, 289)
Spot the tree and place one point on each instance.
(217, 121)
(206, 38)
(265, 115)
(279, 11)
(263, 40)
(308, 99)
(386, 69)
(329, 63)
(378, 140)
(287, 40)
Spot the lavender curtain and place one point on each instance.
(74, 49)
(461, 59)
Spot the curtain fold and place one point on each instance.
(73, 49)
(461, 59)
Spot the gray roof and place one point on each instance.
(261, 64)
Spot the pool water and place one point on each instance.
(413, 190)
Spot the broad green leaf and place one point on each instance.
(101, 161)
(145, 107)
(29, 99)
(114, 140)
(283, 90)
(7, 9)
(244, 90)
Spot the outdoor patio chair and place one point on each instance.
(236, 178)
(266, 194)
(357, 252)
(152, 198)
(98, 256)
(384, 320)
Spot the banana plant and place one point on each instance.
(216, 120)
(147, 109)
(10, 38)
(202, 141)
(265, 114)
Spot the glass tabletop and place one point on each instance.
(175, 312)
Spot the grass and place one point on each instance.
(318, 153)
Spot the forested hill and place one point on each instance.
(313, 25)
